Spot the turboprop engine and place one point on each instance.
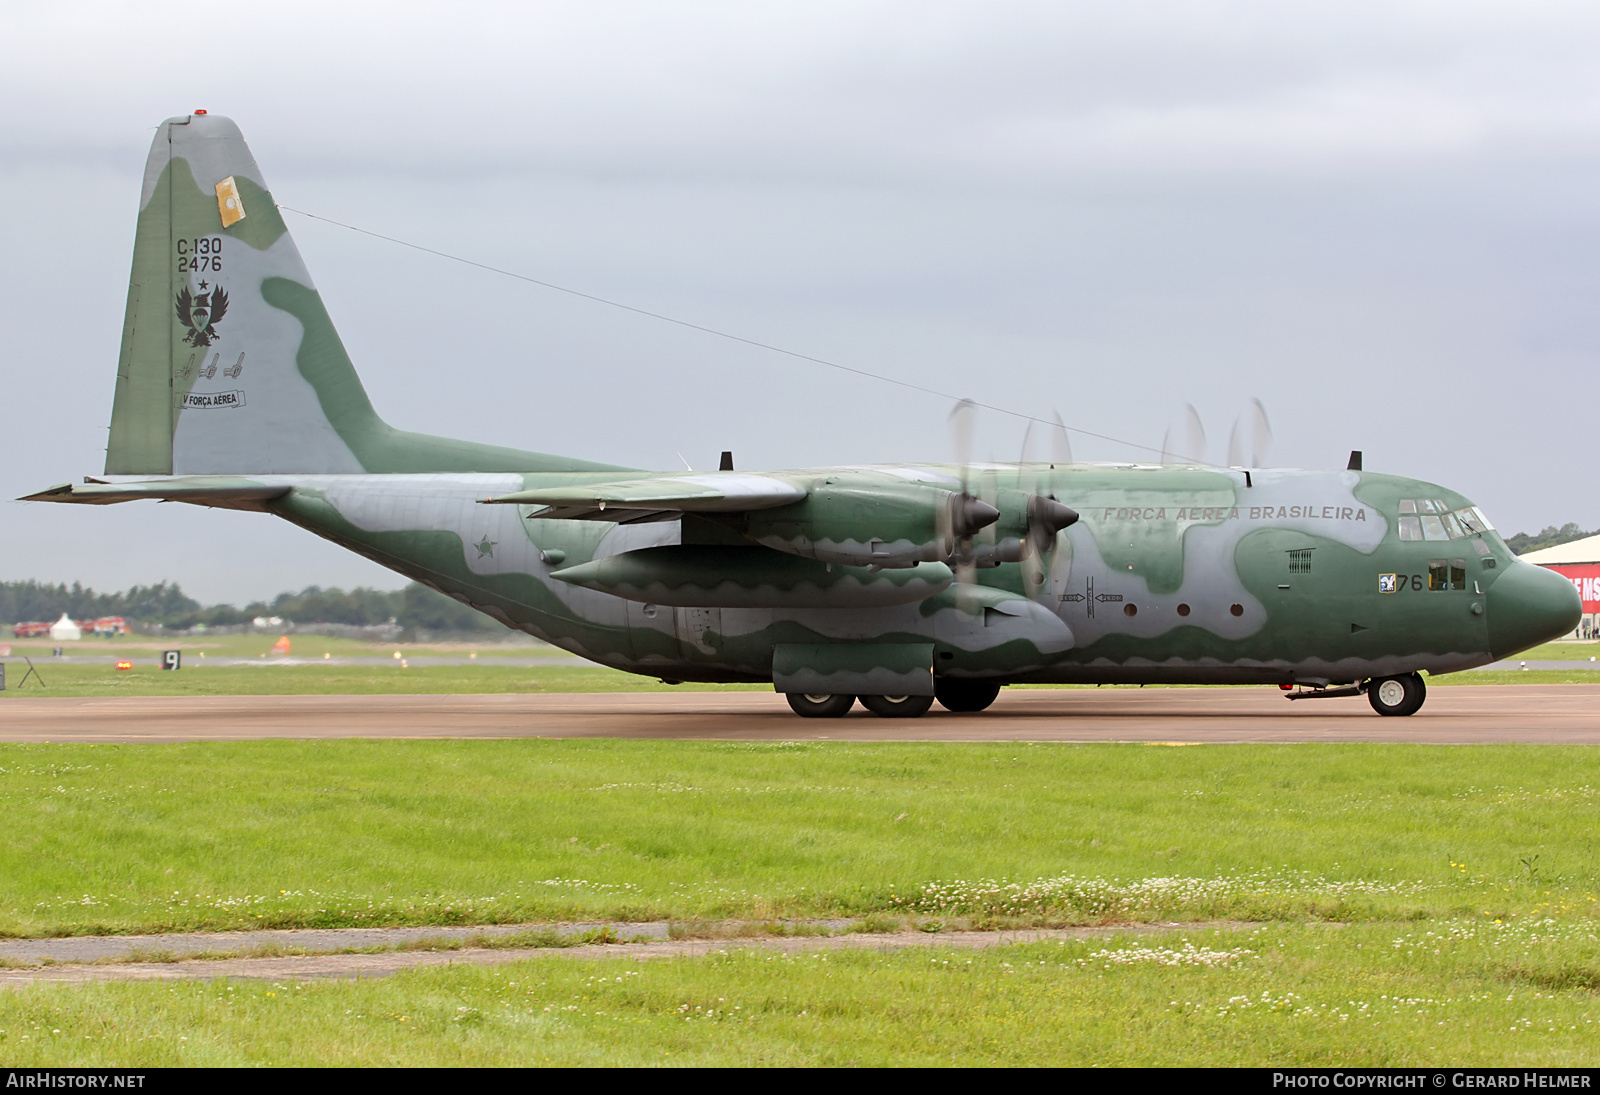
(892, 527)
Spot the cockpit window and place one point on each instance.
(1447, 525)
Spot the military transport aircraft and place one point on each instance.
(893, 585)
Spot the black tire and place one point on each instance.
(897, 707)
(955, 694)
(1401, 695)
(819, 706)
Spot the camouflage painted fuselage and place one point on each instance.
(1171, 574)
(233, 389)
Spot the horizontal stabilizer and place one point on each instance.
(219, 491)
(628, 500)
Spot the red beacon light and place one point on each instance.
(199, 112)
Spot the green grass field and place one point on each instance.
(122, 838)
(1403, 904)
(1457, 993)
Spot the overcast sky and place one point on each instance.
(1381, 219)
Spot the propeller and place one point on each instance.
(965, 514)
(1046, 516)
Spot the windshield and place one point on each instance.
(1431, 519)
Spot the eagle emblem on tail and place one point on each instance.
(201, 313)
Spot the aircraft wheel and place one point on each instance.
(956, 694)
(897, 707)
(819, 706)
(1401, 695)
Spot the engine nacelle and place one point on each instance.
(900, 525)
(891, 526)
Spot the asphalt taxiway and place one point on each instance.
(1455, 714)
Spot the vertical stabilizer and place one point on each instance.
(229, 362)
(210, 378)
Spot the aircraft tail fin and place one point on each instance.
(229, 362)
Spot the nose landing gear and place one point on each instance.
(1401, 695)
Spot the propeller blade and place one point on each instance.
(1235, 450)
(1060, 443)
(1196, 450)
(1260, 434)
(963, 420)
(1166, 450)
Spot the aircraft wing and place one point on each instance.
(219, 491)
(630, 501)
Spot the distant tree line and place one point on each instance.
(1550, 536)
(166, 605)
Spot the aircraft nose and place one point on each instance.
(1529, 605)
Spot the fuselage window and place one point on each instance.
(1410, 527)
(1433, 529)
(1446, 574)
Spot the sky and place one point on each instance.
(1380, 219)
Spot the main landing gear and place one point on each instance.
(953, 695)
(819, 706)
